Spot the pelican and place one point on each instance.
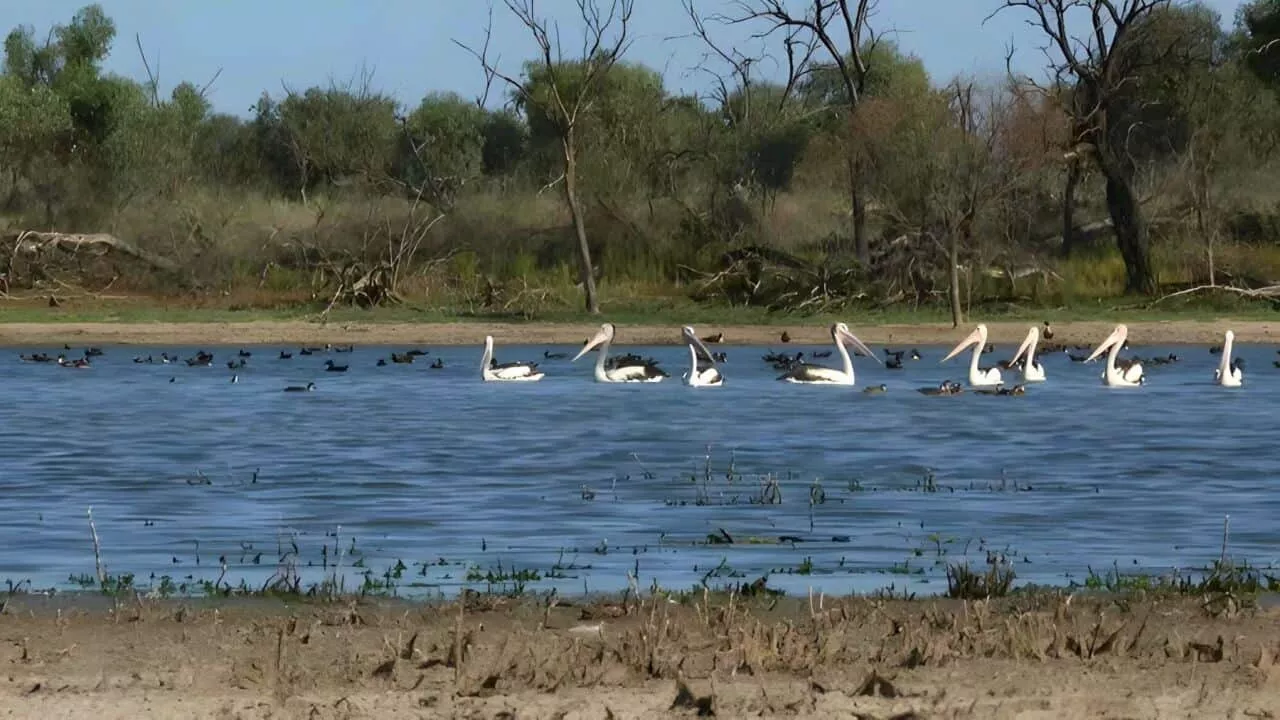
(646, 372)
(819, 375)
(978, 377)
(1032, 370)
(708, 376)
(1113, 376)
(1228, 373)
(506, 372)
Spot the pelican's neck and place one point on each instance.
(1031, 350)
(486, 358)
(1224, 366)
(974, 372)
(600, 361)
(693, 363)
(847, 362)
(1112, 354)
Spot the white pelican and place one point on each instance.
(708, 376)
(1228, 373)
(645, 372)
(1032, 370)
(978, 377)
(1127, 376)
(819, 375)
(506, 372)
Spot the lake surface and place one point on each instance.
(576, 483)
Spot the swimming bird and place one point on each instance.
(285, 355)
(301, 388)
(819, 375)
(1015, 390)
(1114, 376)
(404, 359)
(648, 372)
(437, 365)
(1228, 373)
(1032, 370)
(235, 379)
(894, 359)
(875, 389)
(491, 371)
(706, 375)
(946, 387)
(978, 377)
(245, 353)
(554, 356)
(329, 366)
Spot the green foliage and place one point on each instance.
(744, 200)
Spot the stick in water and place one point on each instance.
(97, 551)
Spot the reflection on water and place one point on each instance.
(456, 477)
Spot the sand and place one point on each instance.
(472, 333)
(1045, 657)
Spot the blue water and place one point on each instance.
(584, 482)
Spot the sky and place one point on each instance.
(266, 45)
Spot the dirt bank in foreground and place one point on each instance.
(1030, 658)
(472, 333)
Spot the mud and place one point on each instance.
(1044, 657)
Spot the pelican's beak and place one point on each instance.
(691, 338)
(1025, 346)
(1112, 339)
(595, 340)
(851, 339)
(972, 338)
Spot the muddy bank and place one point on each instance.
(293, 332)
(1045, 657)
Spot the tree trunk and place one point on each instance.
(1069, 207)
(1130, 229)
(858, 210)
(953, 278)
(579, 223)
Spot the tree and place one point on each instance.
(820, 23)
(563, 97)
(1097, 73)
(1259, 23)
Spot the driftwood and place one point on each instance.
(32, 258)
(35, 242)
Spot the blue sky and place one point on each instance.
(263, 44)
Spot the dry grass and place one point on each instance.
(732, 656)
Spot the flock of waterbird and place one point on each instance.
(704, 365)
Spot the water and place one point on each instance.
(458, 478)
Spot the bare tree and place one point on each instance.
(566, 101)
(1094, 69)
(821, 21)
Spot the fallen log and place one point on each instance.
(35, 242)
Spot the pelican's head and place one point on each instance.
(603, 335)
(488, 342)
(1116, 338)
(840, 333)
(1033, 336)
(977, 337)
(691, 338)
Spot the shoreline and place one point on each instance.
(1050, 655)
(288, 332)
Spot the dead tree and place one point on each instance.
(1096, 74)
(565, 103)
(821, 20)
